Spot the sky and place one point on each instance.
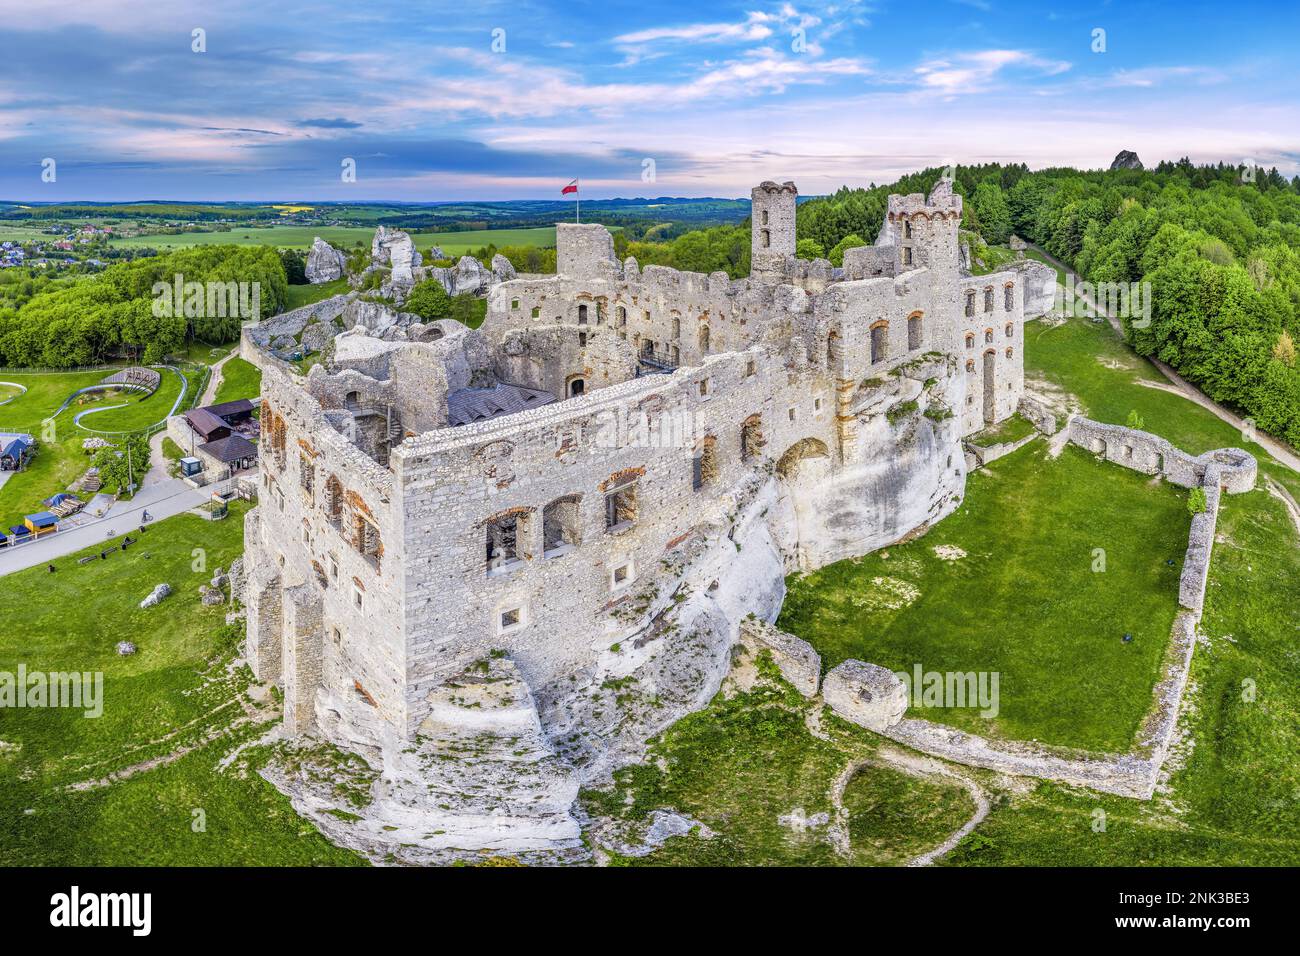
(508, 99)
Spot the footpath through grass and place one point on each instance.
(1037, 578)
(240, 378)
(168, 699)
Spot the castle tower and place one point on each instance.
(772, 228)
(924, 230)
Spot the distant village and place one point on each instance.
(61, 249)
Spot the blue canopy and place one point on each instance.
(42, 519)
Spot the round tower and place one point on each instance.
(772, 227)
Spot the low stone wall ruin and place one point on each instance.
(875, 698)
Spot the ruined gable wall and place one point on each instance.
(453, 480)
(295, 533)
(1008, 369)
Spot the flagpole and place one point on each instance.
(577, 198)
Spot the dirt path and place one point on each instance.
(1281, 452)
(1284, 496)
(214, 380)
(912, 764)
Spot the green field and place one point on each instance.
(175, 701)
(345, 237)
(300, 295)
(239, 379)
(1023, 600)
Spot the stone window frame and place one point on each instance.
(915, 330)
(970, 340)
(704, 463)
(565, 547)
(884, 341)
(629, 487)
(988, 336)
(751, 438)
(628, 569)
(988, 299)
(521, 532)
(1008, 296)
(1010, 329)
(970, 302)
(515, 608)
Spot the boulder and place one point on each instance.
(1126, 159)
(470, 276)
(156, 595)
(317, 335)
(865, 694)
(503, 269)
(324, 262)
(211, 596)
(798, 662)
(394, 248)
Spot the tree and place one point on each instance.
(809, 249)
(851, 241)
(295, 266)
(428, 300)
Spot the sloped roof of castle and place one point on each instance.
(467, 405)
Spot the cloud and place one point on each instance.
(975, 72)
(700, 32)
(336, 122)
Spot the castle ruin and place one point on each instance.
(571, 509)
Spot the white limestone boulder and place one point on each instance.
(865, 694)
(324, 262)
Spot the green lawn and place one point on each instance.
(743, 763)
(175, 693)
(137, 413)
(1024, 602)
(300, 295)
(59, 458)
(1090, 362)
(240, 378)
(1012, 430)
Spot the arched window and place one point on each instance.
(907, 229)
(704, 340)
(582, 314)
(620, 316)
(677, 328)
(833, 351)
(914, 331)
(879, 342)
(970, 340)
(988, 336)
(988, 299)
(767, 238)
(1008, 353)
(970, 365)
(1008, 297)
(1010, 330)
(970, 302)
(560, 525)
(577, 386)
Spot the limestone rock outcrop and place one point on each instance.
(865, 694)
(324, 262)
(503, 269)
(1126, 159)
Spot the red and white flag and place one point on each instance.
(571, 188)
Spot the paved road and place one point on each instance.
(161, 500)
(1283, 453)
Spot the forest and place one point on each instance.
(66, 324)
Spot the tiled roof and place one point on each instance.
(468, 405)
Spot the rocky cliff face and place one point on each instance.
(1126, 159)
(324, 262)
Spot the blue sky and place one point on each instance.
(717, 95)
